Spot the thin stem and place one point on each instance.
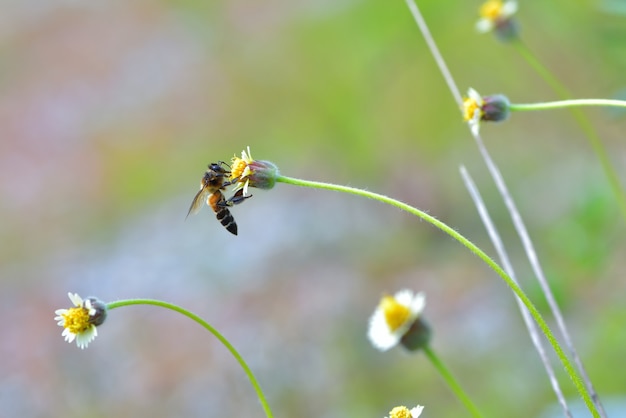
(585, 125)
(451, 381)
(430, 41)
(561, 104)
(212, 330)
(473, 248)
(587, 393)
(508, 267)
(618, 192)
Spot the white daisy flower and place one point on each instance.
(404, 412)
(394, 317)
(494, 13)
(248, 172)
(473, 110)
(80, 322)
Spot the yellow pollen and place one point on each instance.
(470, 107)
(76, 320)
(491, 10)
(396, 314)
(238, 168)
(400, 412)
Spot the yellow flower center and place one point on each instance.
(470, 107)
(400, 412)
(396, 314)
(76, 320)
(491, 10)
(238, 168)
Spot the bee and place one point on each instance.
(211, 186)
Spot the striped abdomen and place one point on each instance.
(218, 203)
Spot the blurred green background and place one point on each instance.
(110, 112)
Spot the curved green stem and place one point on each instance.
(206, 325)
(474, 249)
(561, 104)
(451, 381)
(583, 122)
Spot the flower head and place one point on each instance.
(394, 318)
(476, 108)
(404, 412)
(248, 172)
(80, 322)
(497, 16)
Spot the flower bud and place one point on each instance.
(495, 108)
(418, 335)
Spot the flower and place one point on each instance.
(476, 108)
(472, 109)
(80, 322)
(497, 16)
(248, 172)
(403, 412)
(394, 318)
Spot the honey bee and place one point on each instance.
(211, 186)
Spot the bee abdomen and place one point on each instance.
(226, 219)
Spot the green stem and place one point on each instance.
(583, 122)
(451, 381)
(474, 249)
(567, 103)
(206, 325)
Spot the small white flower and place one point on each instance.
(80, 322)
(393, 318)
(473, 109)
(248, 172)
(403, 412)
(494, 12)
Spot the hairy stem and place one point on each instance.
(451, 381)
(474, 249)
(212, 330)
(562, 104)
(508, 267)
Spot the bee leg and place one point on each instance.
(229, 182)
(235, 199)
(238, 197)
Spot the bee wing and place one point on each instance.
(198, 200)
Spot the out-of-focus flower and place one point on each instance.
(404, 412)
(476, 108)
(497, 16)
(80, 322)
(248, 172)
(395, 319)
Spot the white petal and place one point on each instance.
(84, 338)
(484, 25)
(415, 412)
(475, 96)
(474, 126)
(509, 8)
(418, 303)
(379, 333)
(404, 297)
(76, 300)
(69, 336)
(245, 188)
